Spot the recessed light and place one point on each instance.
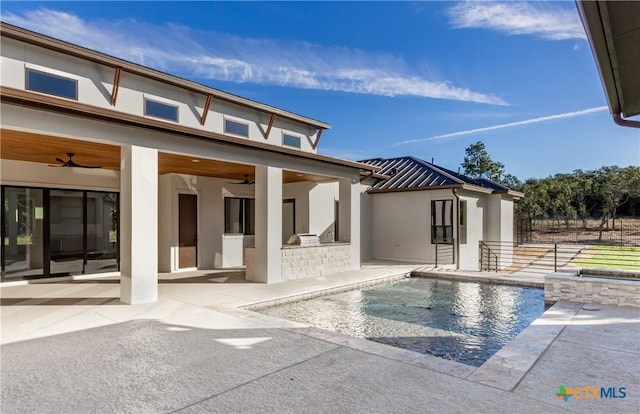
(195, 160)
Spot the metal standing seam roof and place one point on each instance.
(410, 173)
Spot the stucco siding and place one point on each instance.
(95, 85)
(401, 224)
(475, 230)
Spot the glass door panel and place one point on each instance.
(66, 237)
(102, 232)
(23, 233)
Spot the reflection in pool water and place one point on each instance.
(462, 321)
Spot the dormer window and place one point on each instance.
(160, 110)
(291, 140)
(236, 128)
(51, 84)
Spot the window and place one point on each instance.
(160, 110)
(442, 222)
(463, 222)
(291, 141)
(239, 215)
(236, 128)
(288, 219)
(52, 84)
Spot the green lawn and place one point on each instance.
(609, 257)
(21, 240)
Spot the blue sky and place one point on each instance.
(425, 79)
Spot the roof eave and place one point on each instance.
(598, 28)
(59, 105)
(590, 15)
(512, 193)
(477, 189)
(50, 43)
(399, 190)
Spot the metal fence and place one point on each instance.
(545, 258)
(619, 232)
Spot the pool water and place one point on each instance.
(461, 321)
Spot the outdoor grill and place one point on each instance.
(304, 240)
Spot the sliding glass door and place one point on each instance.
(102, 232)
(51, 232)
(66, 235)
(22, 232)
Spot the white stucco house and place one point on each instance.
(429, 214)
(177, 175)
(109, 167)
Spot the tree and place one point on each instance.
(478, 164)
(615, 186)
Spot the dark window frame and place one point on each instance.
(463, 221)
(46, 245)
(29, 83)
(247, 223)
(286, 135)
(228, 130)
(158, 115)
(295, 223)
(439, 232)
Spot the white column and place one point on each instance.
(268, 237)
(349, 218)
(138, 224)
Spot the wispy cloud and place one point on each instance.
(545, 20)
(502, 126)
(219, 56)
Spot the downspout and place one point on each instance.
(618, 119)
(457, 246)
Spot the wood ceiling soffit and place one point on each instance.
(318, 135)
(116, 86)
(205, 111)
(271, 121)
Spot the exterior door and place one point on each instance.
(188, 230)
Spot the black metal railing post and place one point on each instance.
(555, 257)
(436, 254)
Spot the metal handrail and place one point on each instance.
(555, 257)
(485, 249)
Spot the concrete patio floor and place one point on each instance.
(72, 347)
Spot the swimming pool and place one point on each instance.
(465, 322)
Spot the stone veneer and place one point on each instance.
(561, 286)
(309, 261)
(300, 262)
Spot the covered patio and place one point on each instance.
(132, 239)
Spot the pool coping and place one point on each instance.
(467, 277)
(438, 364)
(503, 370)
(507, 367)
(315, 293)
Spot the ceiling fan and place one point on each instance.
(246, 181)
(71, 163)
